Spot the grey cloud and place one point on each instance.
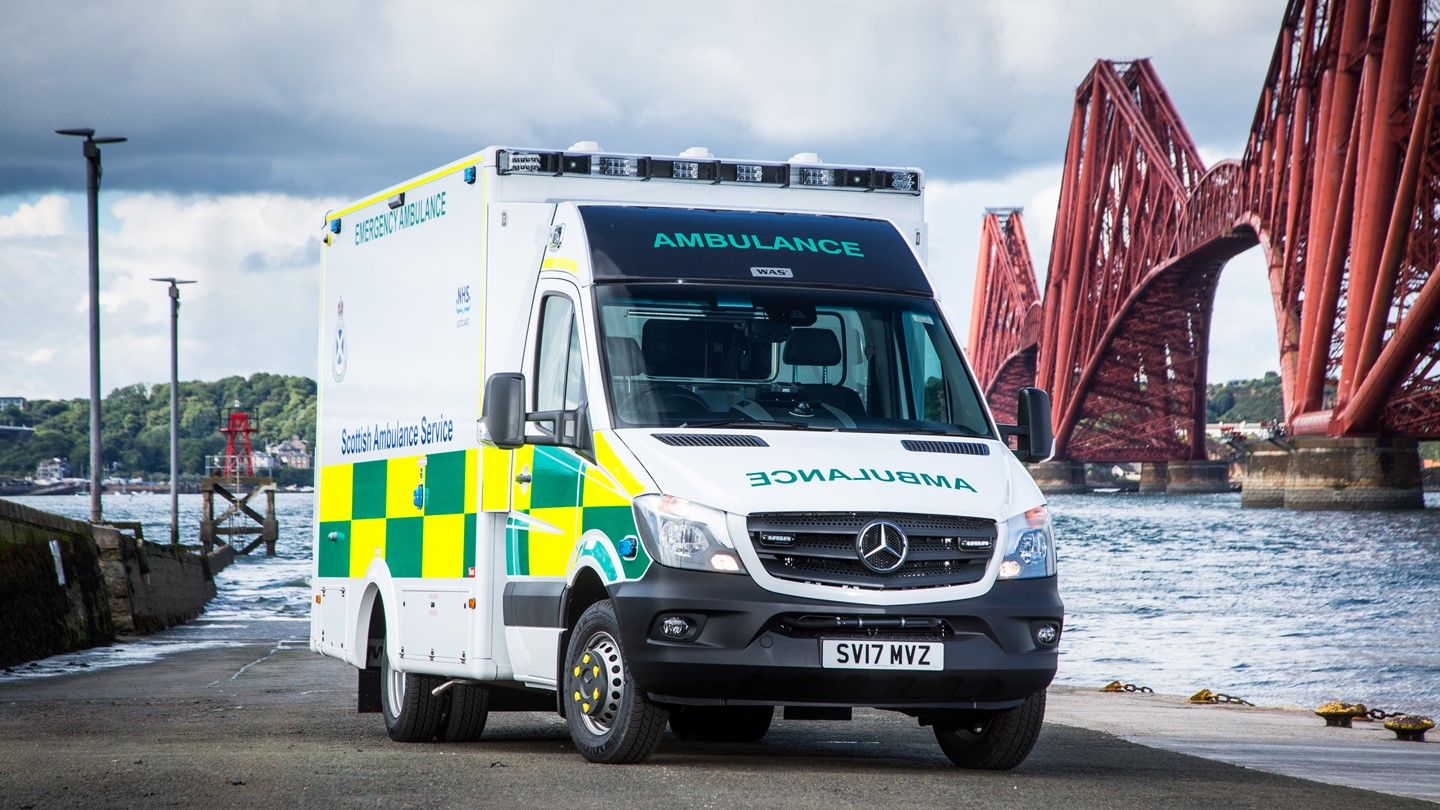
(348, 96)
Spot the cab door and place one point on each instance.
(545, 515)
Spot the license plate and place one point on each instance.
(923, 655)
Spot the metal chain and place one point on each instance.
(1116, 686)
(1207, 697)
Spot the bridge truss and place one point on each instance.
(1339, 185)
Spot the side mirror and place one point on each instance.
(1035, 436)
(504, 418)
(504, 411)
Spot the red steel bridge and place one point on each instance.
(1339, 186)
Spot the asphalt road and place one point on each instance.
(266, 723)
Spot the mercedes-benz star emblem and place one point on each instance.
(882, 546)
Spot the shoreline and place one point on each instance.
(1291, 741)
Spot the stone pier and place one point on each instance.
(1317, 472)
(1059, 477)
(1153, 477)
(1266, 466)
(1196, 477)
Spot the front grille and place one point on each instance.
(819, 547)
(863, 627)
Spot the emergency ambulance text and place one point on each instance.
(414, 213)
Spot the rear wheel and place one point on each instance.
(998, 742)
(467, 707)
(721, 723)
(412, 713)
(610, 719)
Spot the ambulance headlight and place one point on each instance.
(685, 534)
(1029, 546)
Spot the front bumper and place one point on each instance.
(744, 654)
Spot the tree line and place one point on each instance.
(135, 425)
(135, 428)
(1245, 400)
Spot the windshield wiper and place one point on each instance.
(756, 424)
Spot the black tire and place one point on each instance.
(411, 713)
(998, 742)
(721, 723)
(467, 707)
(610, 720)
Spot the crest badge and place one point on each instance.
(339, 352)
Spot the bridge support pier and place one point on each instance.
(1198, 477)
(1059, 477)
(1315, 472)
(1154, 475)
(1184, 477)
(1266, 466)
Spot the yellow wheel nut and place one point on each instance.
(585, 707)
(577, 697)
(597, 671)
(586, 659)
(577, 672)
(596, 696)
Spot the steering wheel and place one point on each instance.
(664, 401)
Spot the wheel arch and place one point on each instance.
(371, 614)
(585, 589)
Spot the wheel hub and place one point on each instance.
(597, 682)
(395, 689)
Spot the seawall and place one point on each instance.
(53, 598)
(67, 585)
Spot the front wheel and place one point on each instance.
(998, 742)
(610, 719)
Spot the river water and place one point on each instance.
(1176, 593)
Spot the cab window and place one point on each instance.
(559, 373)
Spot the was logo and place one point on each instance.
(771, 272)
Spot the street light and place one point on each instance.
(91, 150)
(174, 403)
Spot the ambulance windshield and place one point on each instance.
(693, 355)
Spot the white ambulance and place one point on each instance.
(646, 439)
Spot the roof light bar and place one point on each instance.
(857, 179)
(704, 169)
(760, 174)
(616, 166)
(511, 162)
(906, 181)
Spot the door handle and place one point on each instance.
(522, 478)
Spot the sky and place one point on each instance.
(247, 121)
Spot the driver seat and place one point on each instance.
(819, 347)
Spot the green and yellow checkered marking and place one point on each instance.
(573, 496)
(369, 509)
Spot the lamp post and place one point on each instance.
(91, 150)
(174, 403)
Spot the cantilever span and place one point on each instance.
(1339, 185)
(1003, 346)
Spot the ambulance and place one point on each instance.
(669, 443)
